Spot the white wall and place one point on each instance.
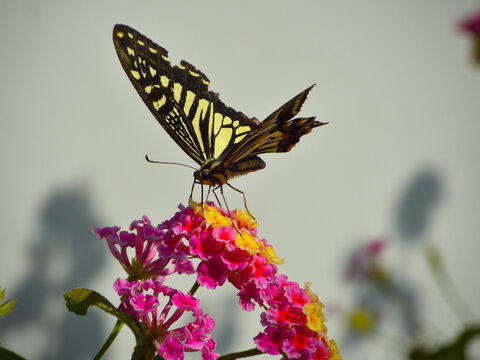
(394, 81)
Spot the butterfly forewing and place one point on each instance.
(150, 72)
(179, 98)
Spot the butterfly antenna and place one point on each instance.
(167, 163)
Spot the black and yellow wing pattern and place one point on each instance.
(223, 141)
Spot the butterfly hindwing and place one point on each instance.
(277, 133)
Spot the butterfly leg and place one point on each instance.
(216, 197)
(208, 193)
(226, 205)
(244, 199)
(191, 191)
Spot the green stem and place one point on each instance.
(447, 287)
(453, 297)
(116, 329)
(194, 288)
(241, 354)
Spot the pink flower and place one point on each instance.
(471, 24)
(364, 263)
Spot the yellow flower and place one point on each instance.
(333, 353)
(214, 217)
(244, 219)
(270, 255)
(315, 316)
(361, 320)
(248, 242)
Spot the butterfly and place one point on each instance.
(224, 142)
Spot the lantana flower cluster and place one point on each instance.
(224, 246)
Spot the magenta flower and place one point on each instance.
(151, 247)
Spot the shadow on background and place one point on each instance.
(417, 204)
(65, 255)
(384, 297)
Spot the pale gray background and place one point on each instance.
(394, 79)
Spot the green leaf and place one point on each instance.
(79, 300)
(6, 307)
(454, 350)
(9, 355)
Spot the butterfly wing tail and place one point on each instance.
(290, 132)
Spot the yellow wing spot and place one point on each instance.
(174, 113)
(201, 111)
(130, 51)
(164, 80)
(180, 66)
(120, 34)
(141, 42)
(205, 81)
(130, 35)
(148, 89)
(242, 129)
(177, 91)
(236, 123)
(239, 138)
(222, 140)
(143, 67)
(165, 58)
(188, 101)
(217, 122)
(193, 73)
(135, 74)
(152, 50)
(158, 104)
(227, 120)
(153, 72)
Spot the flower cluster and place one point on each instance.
(294, 324)
(227, 248)
(140, 299)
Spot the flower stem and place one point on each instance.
(241, 354)
(194, 288)
(116, 329)
(447, 286)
